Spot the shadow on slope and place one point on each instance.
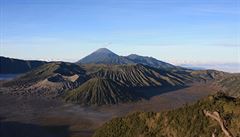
(149, 92)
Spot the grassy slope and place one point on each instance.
(188, 121)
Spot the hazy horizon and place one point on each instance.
(233, 67)
(176, 31)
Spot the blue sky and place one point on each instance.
(177, 31)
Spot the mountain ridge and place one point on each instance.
(150, 61)
(103, 56)
(147, 72)
(106, 56)
(16, 66)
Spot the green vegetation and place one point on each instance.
(99, 91)
(188, 121)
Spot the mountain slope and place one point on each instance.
(205, 75)
(231, 85)
(16, 66)
(104, 56)
(57, 77)
(188, 121)
(150, 61)
(100, 91)
(140, 75)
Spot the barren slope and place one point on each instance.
(99, 91)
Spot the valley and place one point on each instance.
(74, 120)
(62, 99)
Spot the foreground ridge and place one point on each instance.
(178, 122)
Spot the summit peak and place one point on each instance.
(103, 50)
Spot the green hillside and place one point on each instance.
(188, 121)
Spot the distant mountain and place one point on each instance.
(216, 115)
(100, 91)
(192, 67)
(150, 61)
(16, 66)
(227, 67)
(104, 56)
